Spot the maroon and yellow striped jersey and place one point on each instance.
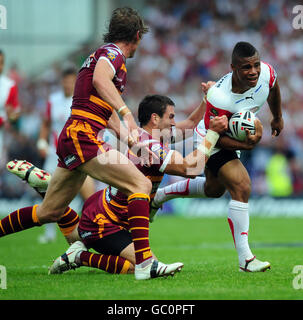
(106, 210)
(87, 103)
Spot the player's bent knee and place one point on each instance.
(212, 190)
(210, 193)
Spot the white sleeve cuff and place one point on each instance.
(106, 59)
(166, 160)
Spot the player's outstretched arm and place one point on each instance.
(274, 102)
(193, 119)
(42, 143)
(194, 163)
(102, 81)
(196, 116)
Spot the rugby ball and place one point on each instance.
(239, 121)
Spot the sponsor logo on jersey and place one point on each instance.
(249, 97)
(159, 150)
(108, 195)
(85, 234)
(88, 61)
(112, 56)
(162, 153)
(70, 160)
(214, 111)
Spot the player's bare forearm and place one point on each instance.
(107, 90)
(274, 101)
(193, 119)
(188, 167)
(185, 127)
(45, 129)
(228, 143)
(117, 126)
(102, 81)
(193, 164)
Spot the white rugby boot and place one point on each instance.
(35, 177)
(154, 269)
(67, 260)
(254, 265)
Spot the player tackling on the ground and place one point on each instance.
(104, 224)
(250, 84)
(96, 104)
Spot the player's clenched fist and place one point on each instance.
(219, 124)
(255, 138)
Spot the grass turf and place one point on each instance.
(204, 245)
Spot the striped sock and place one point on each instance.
(138, 217)
(68, 222)
(21, 219)
(108, 263)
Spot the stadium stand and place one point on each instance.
(188, 44)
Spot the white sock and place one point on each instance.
(238, 219)
(189, 188)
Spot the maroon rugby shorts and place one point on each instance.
(78, 143)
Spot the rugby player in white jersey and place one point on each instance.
(250, 84)
(9, 107)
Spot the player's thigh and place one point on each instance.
(213, 188)
(115, 169)
(236, 179)
(62, 189)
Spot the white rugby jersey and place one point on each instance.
(221, 100)
(57, 112)
(8, 96)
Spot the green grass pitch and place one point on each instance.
(204, 245)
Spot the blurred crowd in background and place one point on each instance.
(189, 43)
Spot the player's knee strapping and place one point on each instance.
(138, 218)
(21, 219)
(68, 221)
(108, 263)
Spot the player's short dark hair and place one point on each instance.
(242, 50)
(68, 71)
(124, 25)
(1, 53)
(153, 104)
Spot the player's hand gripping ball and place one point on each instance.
(239, 122)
